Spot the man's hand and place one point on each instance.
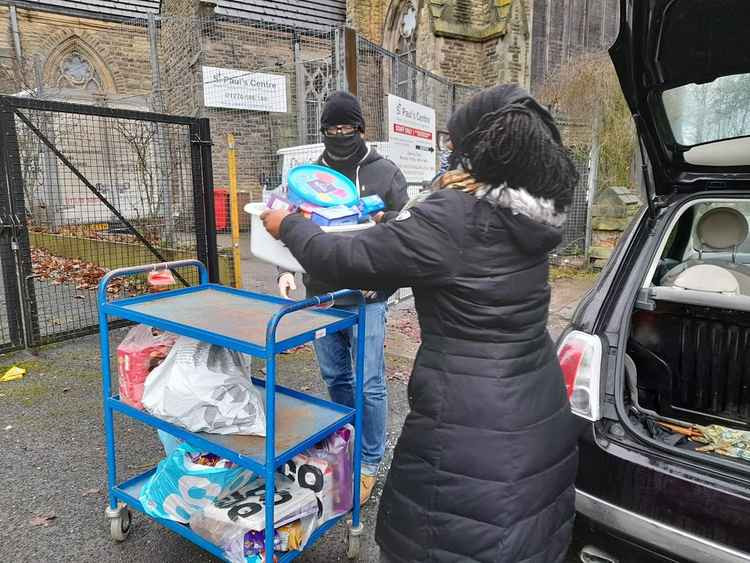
(286, 284)
(378, 218)
(272, 221)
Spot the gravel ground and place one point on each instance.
(53, 470)
(54, 463)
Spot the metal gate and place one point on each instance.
(86, 189)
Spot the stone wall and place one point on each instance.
(188, 44)
(368, 17)
(460, 61)
(464, 43)
(614, 209)
(507, 58)
(118, 52)
(7, 56)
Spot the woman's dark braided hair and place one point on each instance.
(516, 147)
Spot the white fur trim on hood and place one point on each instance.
(519, 201)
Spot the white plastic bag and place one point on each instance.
(205, 388)
(226, 521)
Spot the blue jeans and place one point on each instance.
(337, 355)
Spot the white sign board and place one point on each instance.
(411, 138)
(239, 89)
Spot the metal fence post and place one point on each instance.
(591, 188)
(299, 72)
(206, 187)
(20, 243)
(234, 210)
(338, 61)
(351, 60)
(12, 296)
(52, 180)
(162, 151)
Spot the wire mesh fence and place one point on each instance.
(90, 190)
(265, 83)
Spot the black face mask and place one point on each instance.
(343, 148)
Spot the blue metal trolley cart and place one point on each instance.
(255, 324)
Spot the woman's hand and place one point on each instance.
(272, 221)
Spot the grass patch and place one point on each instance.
(24, 391)
(557, 273)
(97, 375)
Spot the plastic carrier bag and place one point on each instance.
(205, 388)
(326, 469)
(142, 350)
(187, 481)
(227, 521)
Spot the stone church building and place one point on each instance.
(150, 55)
(81, 45)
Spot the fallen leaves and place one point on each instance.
(398, 376)
(58, 270)
(43, 520)
(408, 325)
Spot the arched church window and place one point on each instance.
(75, 71)
(405, 76)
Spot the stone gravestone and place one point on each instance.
(613, 210)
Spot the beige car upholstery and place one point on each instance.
(707, 277)
(722, 229)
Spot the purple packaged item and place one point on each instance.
(326, 469)
(255, 542)
(278, 202)
(338, 450)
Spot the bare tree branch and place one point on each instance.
(587, 90)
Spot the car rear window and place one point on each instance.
(703, 113)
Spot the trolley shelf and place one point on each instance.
(229, 317)
(129, 492)
(301, 422)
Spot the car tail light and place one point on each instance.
(580, 356)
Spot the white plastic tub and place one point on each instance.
(268, 249)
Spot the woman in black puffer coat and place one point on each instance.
(485, 465)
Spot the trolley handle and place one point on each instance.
(306, 304)
(134, 270)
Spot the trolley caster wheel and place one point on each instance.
(119, 522)
(354, 541)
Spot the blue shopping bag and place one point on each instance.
(182, 486)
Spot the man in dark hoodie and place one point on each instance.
(343, 126)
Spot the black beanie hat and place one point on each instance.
(341, 108)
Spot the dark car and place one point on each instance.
(657, 358)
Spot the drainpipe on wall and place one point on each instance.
(162, 147)
(52, 176)
(16, 36)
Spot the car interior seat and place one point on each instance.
(720, 230)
